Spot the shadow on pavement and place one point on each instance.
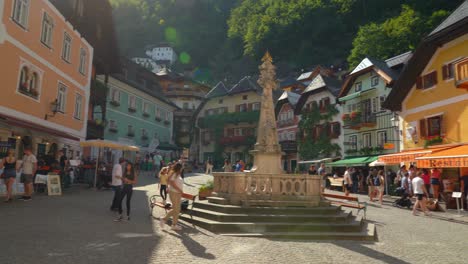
(194, 247)
(359, 247)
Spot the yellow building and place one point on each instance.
(226, 123)
(431, 95)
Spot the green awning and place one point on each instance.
(167, 146)
(360, 161)
(349, 97)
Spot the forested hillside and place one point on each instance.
(223, 39)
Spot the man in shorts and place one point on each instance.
(419, 190)
(29, 166)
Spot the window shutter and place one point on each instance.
(442, 125)
(434, 77)
(445, 72)
(422, 128)
(419, 82)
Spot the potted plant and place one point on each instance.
(205, 190)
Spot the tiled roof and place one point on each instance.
(244, 85)
(460, 13)
(218, 90)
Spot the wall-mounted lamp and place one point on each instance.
(395, 120)
(53, 108)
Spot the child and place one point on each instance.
(163, 175)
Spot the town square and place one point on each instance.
(218, 131)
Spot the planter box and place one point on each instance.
(132, 110)
(146, 114)
(202, 195)
(114, 103)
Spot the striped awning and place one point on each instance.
(406, 156)
(455, 157)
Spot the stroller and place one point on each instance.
(404, 201)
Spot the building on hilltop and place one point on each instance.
(46, 79)
(162, 54)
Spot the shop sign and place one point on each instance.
(389, 146)
(443, 163)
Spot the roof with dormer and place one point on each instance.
(319, 84)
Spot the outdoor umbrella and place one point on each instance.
(99, 143)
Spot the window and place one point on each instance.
(366, 140)
(256, 107)
(375, 104)
(242, 108)
(244, 97)
(168, 116)
(82, 67)
(116, 95)
(237, 132)
(185, 106)
(112, 124)
(61, 98)
(47, 29)
(78, 104)
(335, 129)
(426, 81)
(353, 142)
(33, 82)
(144, 133)
(382, 100)
(381, 138)
(375, 81)
(20, 12)
(358, 86)
(220, 101)
(132, 102)
(130, 131)
(66, 49)
(447, 71)
(145, 108)
(434, 126)
(158, 113)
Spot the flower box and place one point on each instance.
(115, 103)
(167, 122)
(146, 114)
(158, 119)
(132, 109)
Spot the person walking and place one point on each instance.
(129, 179)
(348, 182)
(9, 173)
(370, 186)
(420, 192)
(427, 180)
(322, 173)
(117, 184)
(176, 185)
(379, 183)
(163, 175)
(29, 166)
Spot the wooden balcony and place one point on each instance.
(461, 73)
(359, 121)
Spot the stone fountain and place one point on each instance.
(266, 184)
(266, 202)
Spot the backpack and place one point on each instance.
(184, 205)
(377, 181)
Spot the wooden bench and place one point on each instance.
(344, 201)
(336, 182)
(153, 202)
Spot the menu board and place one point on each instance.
(54, 186)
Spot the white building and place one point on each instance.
(148, 63)
(162, 54)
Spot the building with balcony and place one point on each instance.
(287, 127)
(137, 112)
(431, 97)
(93, 19)
(226, 123)
(188, 95)
(368, 127)
(46, 79)
(320, 133)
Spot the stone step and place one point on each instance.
(234, 209)
(297, 204)
(340, 217)
(368, 233)
(266, 227)
(217, 200)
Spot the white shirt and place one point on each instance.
(418, 184)
(28, 163)
(347, 178)
(116, 171)
(177, 181)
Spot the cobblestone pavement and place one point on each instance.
(78, 228)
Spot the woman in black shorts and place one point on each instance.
(9, 173)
